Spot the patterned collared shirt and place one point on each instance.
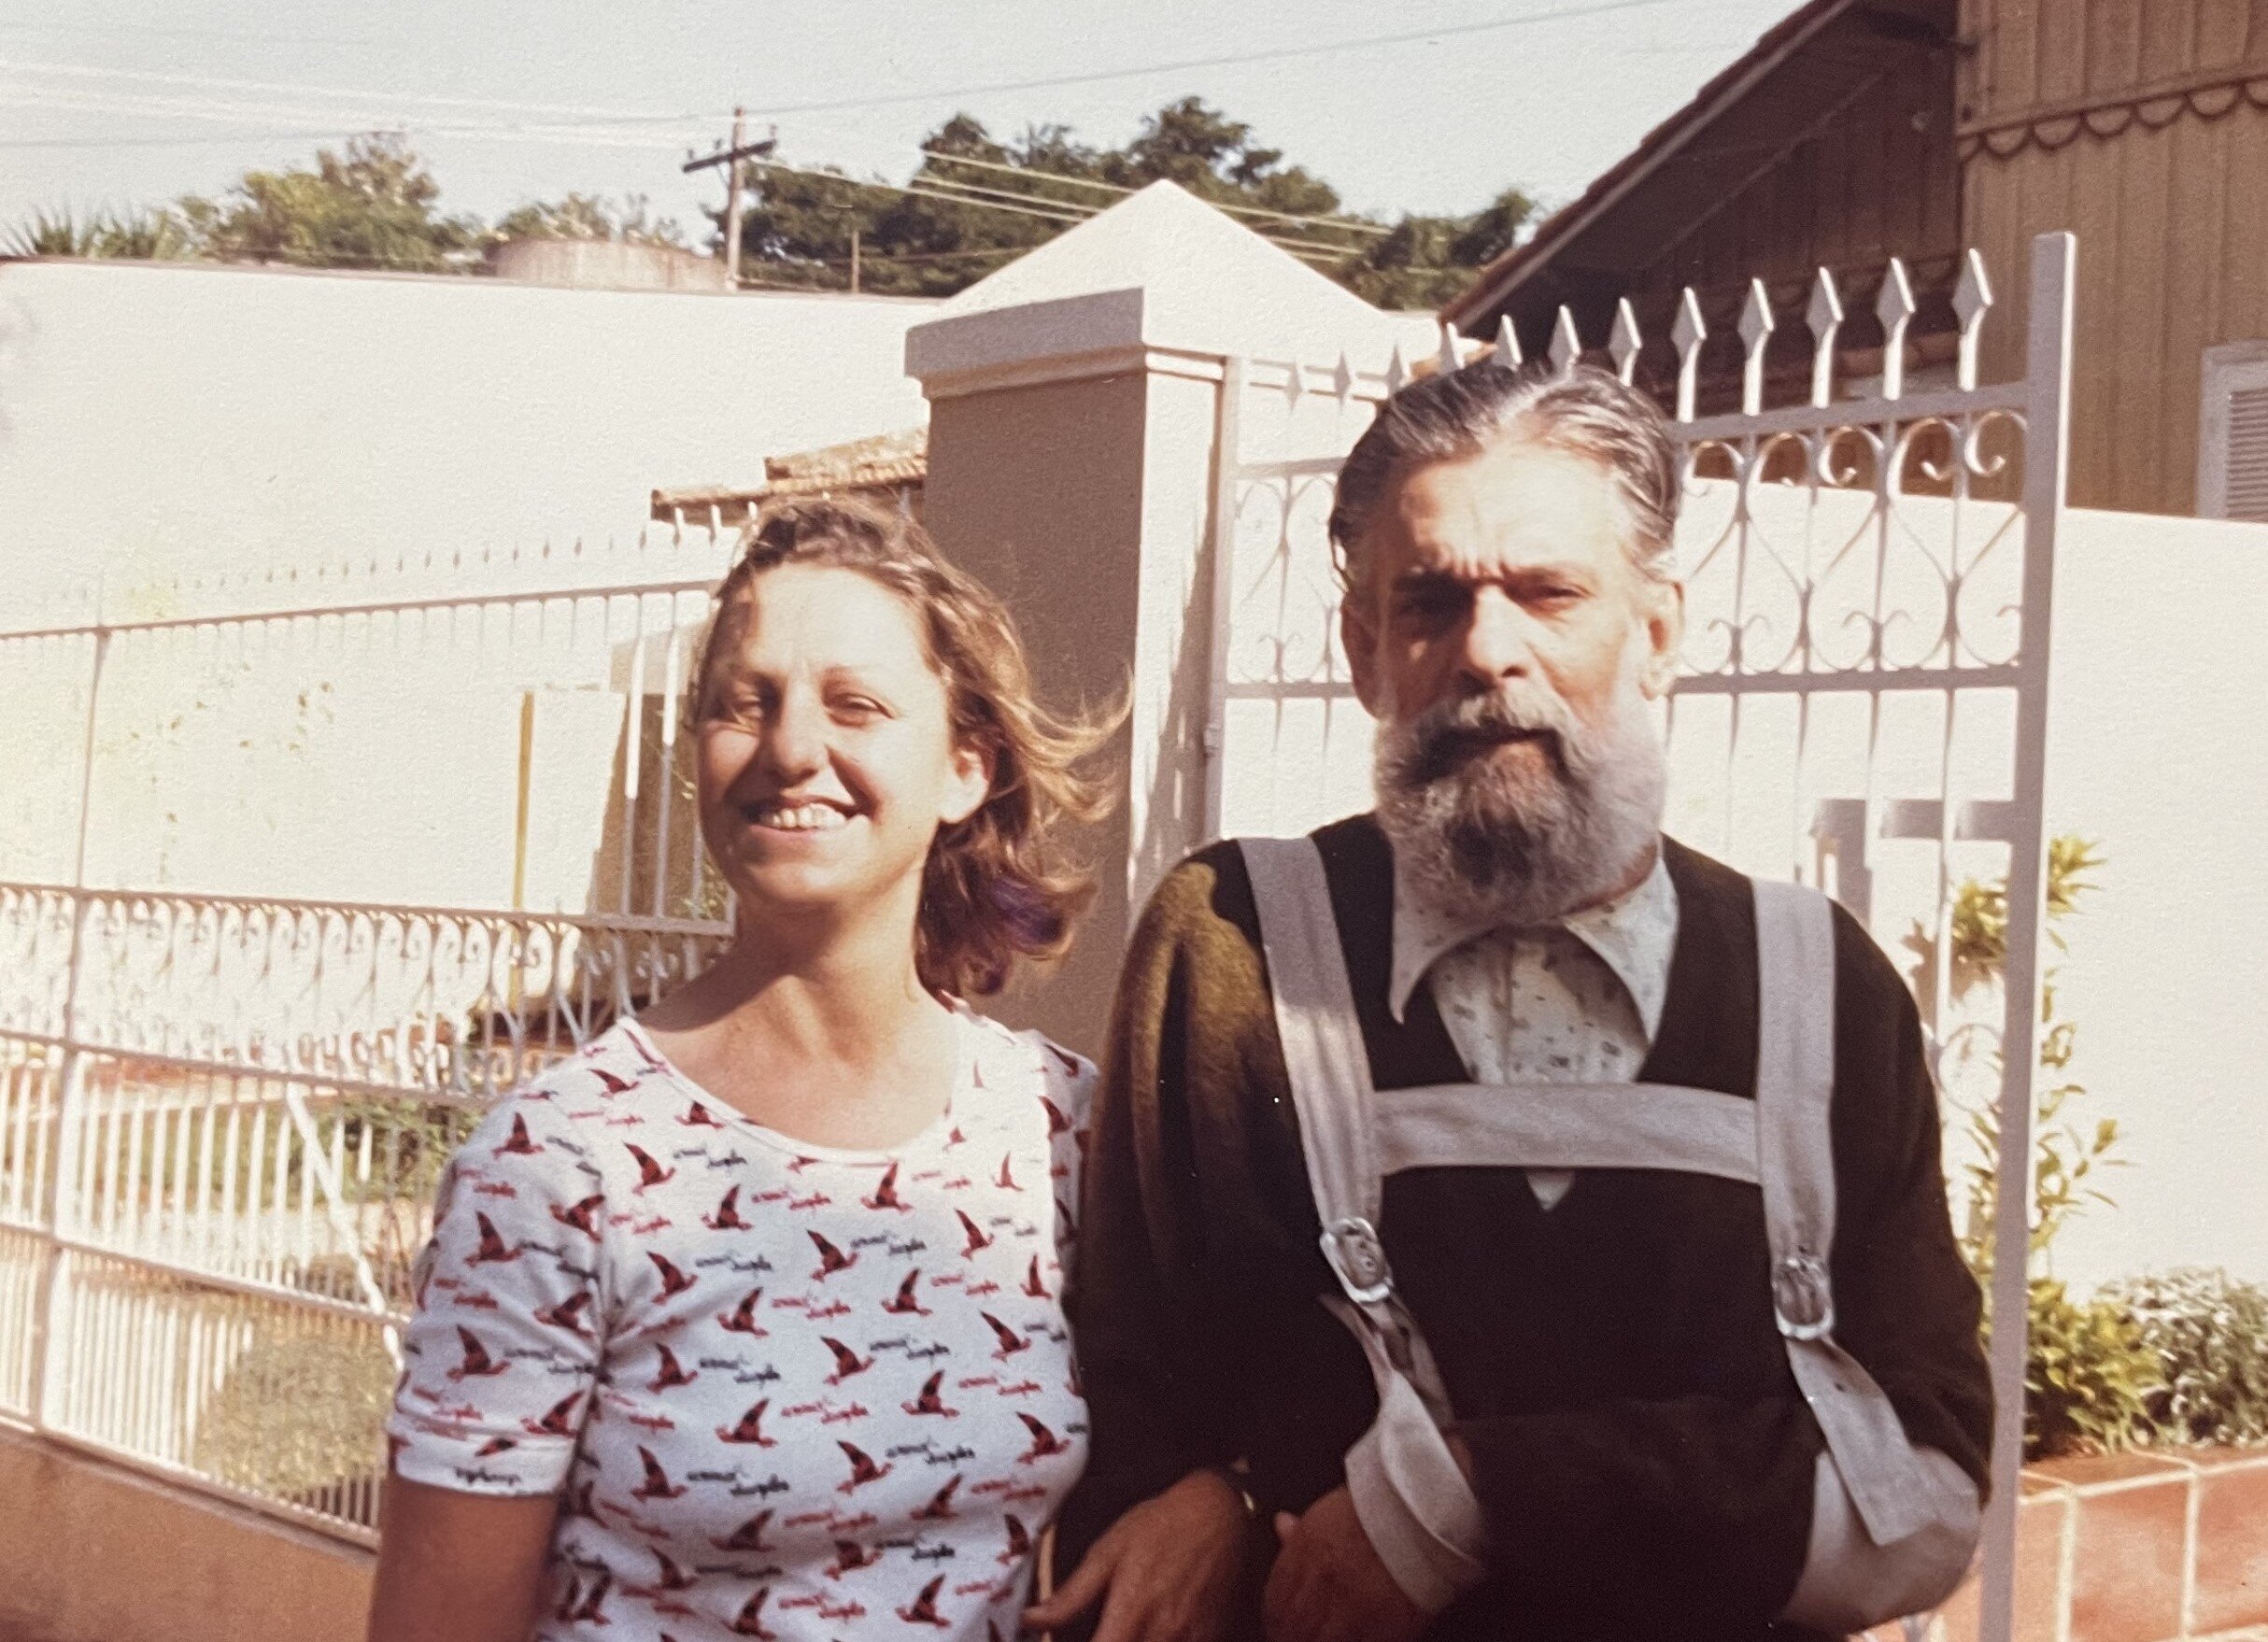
(1577, 1000)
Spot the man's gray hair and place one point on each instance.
(1456, 414)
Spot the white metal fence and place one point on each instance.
(299, 871)
(1862, 700)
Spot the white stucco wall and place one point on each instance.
(160, 419)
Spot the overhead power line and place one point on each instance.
(1112, 187)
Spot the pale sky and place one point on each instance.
(113, 103)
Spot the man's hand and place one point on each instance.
(1329, 1586)
(1167, 1571)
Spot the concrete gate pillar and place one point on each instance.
(1074, 413)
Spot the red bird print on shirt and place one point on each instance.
(670, 1375)
(886, 1194)
(494, 1446)
(727, 1217)
(743, 1317)
(567, 1315)
(656, 1484)
(940, 1509)
(955, 1138)
(924, 1611)
(611, 1085)
(584, 1216)
(748, 1623)
(1011, 1341)
(674, 1282)
(649, 1172)
(594, 1602)
(847, 1362)
(749, 1535)
(697, 1117)
(1032, 1285)
(850, 1556)
(1063, 1218)
(831, 1259)
(750, 1429)
(863, 1470)
(560, 1421)
(1057, 1123)
(907, 1302)
(929, 1402)
(1007, 1181)
(1019, 1541)
(477, 1363)
(518, 1145)
(978, 1237)
(1044, 1441)
(492, 1250)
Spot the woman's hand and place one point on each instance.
(459, 1567)
(1167, 1571)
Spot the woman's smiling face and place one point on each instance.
(825, 757)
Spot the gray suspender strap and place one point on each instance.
(1410, 1497)
(1887, 1483)
(1567, 1125)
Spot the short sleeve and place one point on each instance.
(1067, 1088)
(501, 1357)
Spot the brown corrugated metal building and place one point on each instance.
(1858, 130)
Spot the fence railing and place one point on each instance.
(227, 1085)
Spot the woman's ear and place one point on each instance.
(969, 783)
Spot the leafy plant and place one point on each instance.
(2067, 1153)
(2209, 1334)
(2089, 1375)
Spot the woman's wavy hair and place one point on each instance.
(998, 886)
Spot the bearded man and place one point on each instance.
(1502, 1220)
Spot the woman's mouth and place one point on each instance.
(796, 817)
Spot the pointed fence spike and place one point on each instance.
(1894, 307)
(1756, 326)
(1972, 301)
(1342, 378)
(1449, 361)
(1398, 372)
(1687, 332)
(1825, 318)
(1508, 345)
(1294, 382)
(1623, 342)
(1567, 342)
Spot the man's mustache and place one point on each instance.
(1447, 736)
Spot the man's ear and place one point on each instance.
(1358, 637)
(1665, 618)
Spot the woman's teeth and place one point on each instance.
(802, 818)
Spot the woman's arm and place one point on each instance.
(459, 1567)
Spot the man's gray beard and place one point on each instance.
(1521, 847)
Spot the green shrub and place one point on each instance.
(2209, 1334)
(298, 1414)
(2088, 1377)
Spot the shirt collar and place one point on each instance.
(1634, 934)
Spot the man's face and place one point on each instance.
(1508, 646)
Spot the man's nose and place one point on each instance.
(1499, 639)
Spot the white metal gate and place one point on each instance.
(279, 908)
(1863, 697)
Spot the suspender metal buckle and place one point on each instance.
(1358, 1259)
(1803, 1297)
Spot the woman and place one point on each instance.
(745, 1321)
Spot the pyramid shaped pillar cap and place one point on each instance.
(1160, 281)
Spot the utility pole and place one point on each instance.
(730, 159)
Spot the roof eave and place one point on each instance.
(1498, 282)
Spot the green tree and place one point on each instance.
(375, 205)
(580, 216)
(796, 228)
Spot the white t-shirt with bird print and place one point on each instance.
(784, 1391)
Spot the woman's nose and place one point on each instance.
(794, 743)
